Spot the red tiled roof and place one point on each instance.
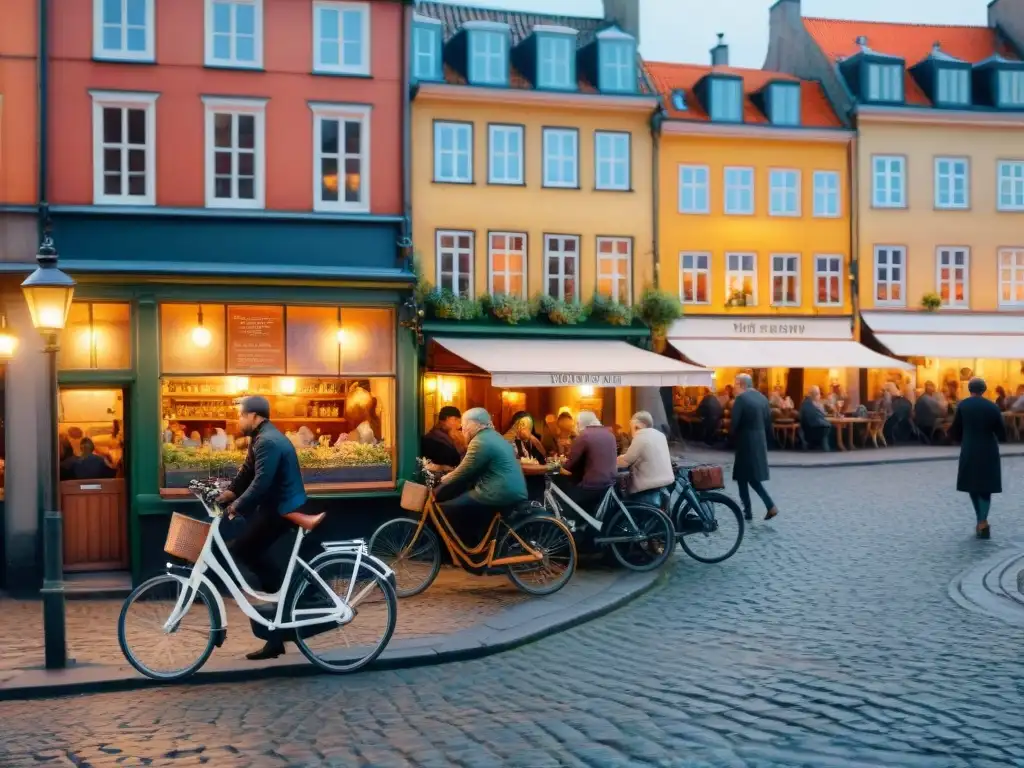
(837, 38)
(816, 111)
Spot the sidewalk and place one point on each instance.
(459, 617)
(693, 453)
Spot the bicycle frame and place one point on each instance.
(239, 587)
(552, 494)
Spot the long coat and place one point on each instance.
(749, 427)
(978, 427)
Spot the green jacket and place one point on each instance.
(491, 471)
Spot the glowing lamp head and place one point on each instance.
(201, 336)
(8, 343)
(341, 335)
(48, 291)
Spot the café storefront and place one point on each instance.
(790, 354)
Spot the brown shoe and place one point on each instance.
(773, 512)
(983, 531)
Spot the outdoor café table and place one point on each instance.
(785, 432)
(842, 423)
(538, 470)
(1014, 424)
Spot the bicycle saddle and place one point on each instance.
(305, 522)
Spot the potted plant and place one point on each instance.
(445, 305)
(658, 310)
(737, 298)
(612, 312)
(559, 311)
(507, 308)
(931, 302)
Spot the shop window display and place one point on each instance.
(97, 336)
(328, 373)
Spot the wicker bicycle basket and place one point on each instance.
(414, 496)
(186, 537)
(707, 477)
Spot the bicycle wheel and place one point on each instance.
(554, 541)
(651, 537)
(157, 653)
(339, 648)
(415, 560)
(714, 533)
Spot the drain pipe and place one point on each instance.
(406, 86)
(42, 114)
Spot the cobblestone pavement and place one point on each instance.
(829, 641)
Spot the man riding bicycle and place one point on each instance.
(268, 487)
(491, 473)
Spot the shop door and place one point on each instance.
(92, 471)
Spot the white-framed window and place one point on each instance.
(611, 160)
(739, 191)
(561, 157)
(741, 277)
(954, 86)
(124, 148)
(1010, 185)
(952, 182)
(1011, 277)
(618, 62)
(234, 33)
(890, 275)
(888, 181)
(341, 37)
(426, 49)
(123, 30)
(455, 261)
(507, 261)
(562, 267)
(785, 103)
(695, 278)
(885, 82)
(453, 153)
(556, 58)
(341, 157)
(235, 152)
(826, 194)
(952, 267)
(488, 57)
(615, 269)
(828, 280)
(505, 154)
(694, 193)
(1011, 88)
(785, 279)
(727, 100)
(783, 192)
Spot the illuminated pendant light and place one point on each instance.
(341, 330)
(8, 343)
(201, 335)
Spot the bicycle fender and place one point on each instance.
(220, 634)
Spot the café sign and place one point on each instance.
(586, 379)
(757, 328)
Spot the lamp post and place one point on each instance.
(48, 293)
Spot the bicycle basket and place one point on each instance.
(414, 496)
(706, 477)
(186, 537)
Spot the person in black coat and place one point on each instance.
(710, 411)
(978, 427)
(751, 422)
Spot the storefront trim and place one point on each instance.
(496, 329)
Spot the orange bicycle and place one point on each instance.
(536, 551)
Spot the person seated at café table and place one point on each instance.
(440, 446)
(930, 409)
(526, 444)
(591, 463)
(710, 411)
(813, 422)
(91, 466)
(780, 401)
(559, 434)
(836, 400)
(1018, 402)
(1001, 398)
(727, 396)
(648, 460)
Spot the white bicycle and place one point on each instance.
(170, 624)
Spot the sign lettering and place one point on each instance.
(590, 379)
(760, 330)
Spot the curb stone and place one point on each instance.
(995, 586)
(517, 626)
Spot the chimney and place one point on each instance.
(862, 41)
(720, 53)
(625, 14)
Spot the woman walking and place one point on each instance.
(978, 427)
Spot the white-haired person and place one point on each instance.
(591, 462)
(648, 459)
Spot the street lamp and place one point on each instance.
(48, 292)
(8, 343)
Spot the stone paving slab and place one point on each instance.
(459, 617)
(692, 452)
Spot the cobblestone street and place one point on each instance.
(829, 641)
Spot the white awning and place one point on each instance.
(926, 334)
(571, 362)
(772, 353)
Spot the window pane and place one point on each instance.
(105, 344)
(181, 350)
(368, 342)
(313, 341)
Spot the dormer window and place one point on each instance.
(617, 61)
(679, 100)
(556, 57)
(488, 53)
(952, 86)
(1011, 88)
(726, 100)
(784, 104)
(885, 82)
(426, 48)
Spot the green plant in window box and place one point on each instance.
(931, 302)
(507, 308)
(445, 305)
(559, 311)
(736, 299)
(658, 309)
(611, 312)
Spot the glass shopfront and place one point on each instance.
(328, 372)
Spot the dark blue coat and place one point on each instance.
(270, 478)
(978, 426)
(749, 425)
